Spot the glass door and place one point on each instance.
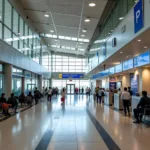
(70, 88)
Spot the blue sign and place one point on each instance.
(112, 70)
(118, 68)
(74, 76)
(128, 64)
(134, 81)
(138, 16)
(142, 59)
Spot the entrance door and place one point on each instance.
(70, 88)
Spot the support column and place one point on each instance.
(98, 83)
(40, 83)
(7, 79)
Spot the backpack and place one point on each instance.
(103, 94)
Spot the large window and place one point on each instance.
(17, 33)
(67, 64)
(78, 83)
(7, 14)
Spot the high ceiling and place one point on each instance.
(61, 22)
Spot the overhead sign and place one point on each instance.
(60, 76)
(73, 76)
(128, 64)
(138, 16)
(118, 68)
(142, 59)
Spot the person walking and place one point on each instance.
(49, 97)
(125, 96)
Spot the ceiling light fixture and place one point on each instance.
(145, 47)
(92, 4)
(81, 43)
(139, 40)
(121, 52)
(84, 30)
(83, 35)
(87, 20)
(121, 18)
(46, 15)
(51, 31)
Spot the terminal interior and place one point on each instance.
(69, 69)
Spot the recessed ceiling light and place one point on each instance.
(121, 18)
(145, 46)
(46, 15)
(112, 30)
(81, 43)
(84, 30)
(92, 4)
(83, 35)
(109, 33)
(139, 40)
(87, 20)
(51, 31)
(121, 52)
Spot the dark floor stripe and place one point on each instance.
(43, 145)
(105, 136)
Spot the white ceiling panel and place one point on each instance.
(66, 19)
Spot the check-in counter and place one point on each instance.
(108, 98)
(135, 101)
(118, 105)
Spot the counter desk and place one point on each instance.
(135, 101)
(118, 105)
(108, 99)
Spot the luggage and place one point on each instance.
(62, 99)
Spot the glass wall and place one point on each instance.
(78, 83)
(1, 79)
(17, 78)
(17, 33)
(117, 14)
(67, 64)
(31, 81)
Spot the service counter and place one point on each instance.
(135, 101)
(118, 105)
(108, 99)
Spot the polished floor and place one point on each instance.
(80, 124)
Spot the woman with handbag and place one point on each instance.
(63, 95)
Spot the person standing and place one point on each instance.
(130, 91)
(49, 97)
(125, 96)
(82, 90)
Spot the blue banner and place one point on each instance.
(74, 76)
(138, 16)
(134, 81)
(128, 64)
(142, 59)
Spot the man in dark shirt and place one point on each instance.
(145, 100)
(130, 91)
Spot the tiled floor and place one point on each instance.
(69, 127)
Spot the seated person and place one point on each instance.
(29, 98)
(13, 101)
(22, 99)
(145, 100)
(4, 105)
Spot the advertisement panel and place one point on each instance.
(142, 59)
